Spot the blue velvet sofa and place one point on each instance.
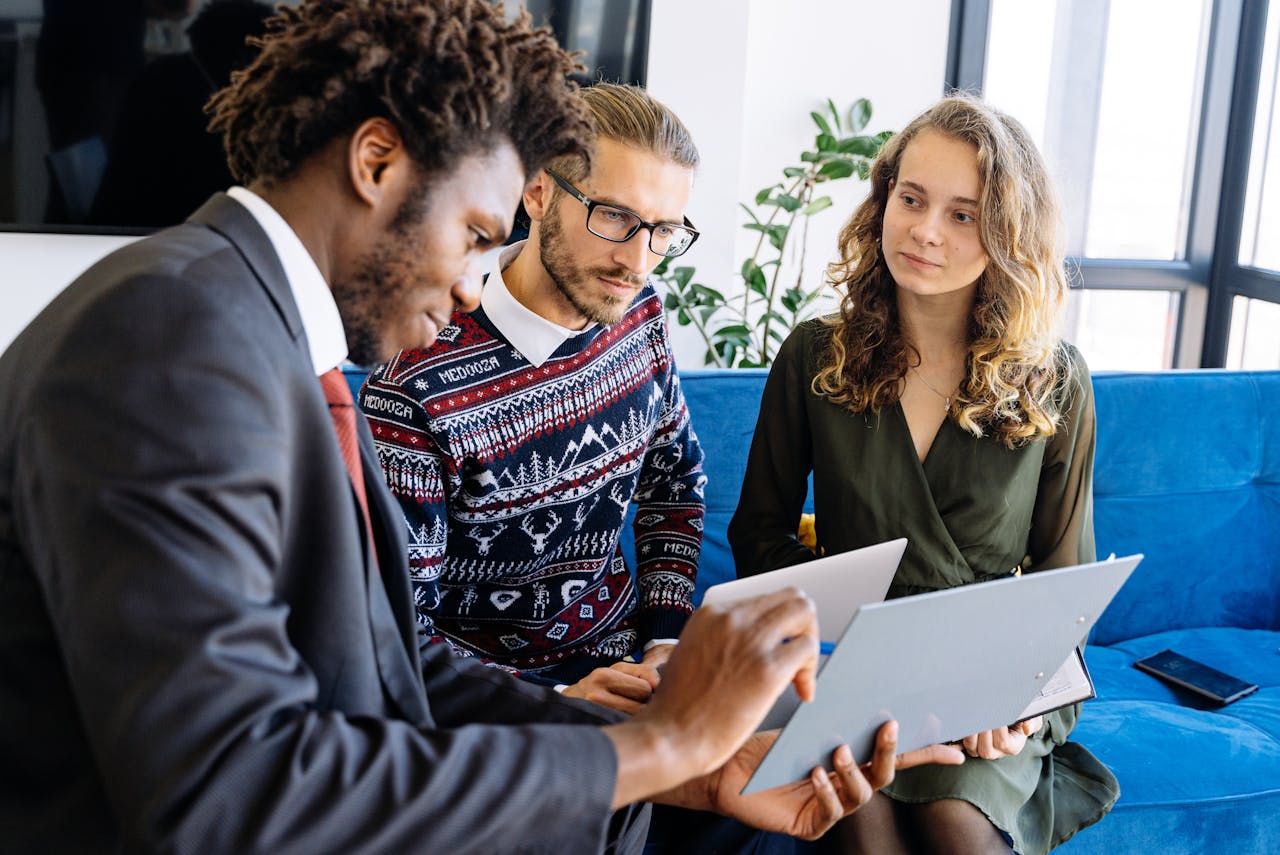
(1188, 473)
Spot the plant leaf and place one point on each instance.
(864, 146)
(810, 297)
(764, 194)
(859, 115)
(710, 295)
(727, 351)
(750, 213)
(793, 171)
(682, 318)
(819, 204)
(810, 156)
(753, 276)
(837, 169)
(777, 235)
(670, 302)
(835, 114)
(821, 123)
(826, 142)
(786, 202)
(682, 275)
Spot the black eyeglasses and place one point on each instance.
(618, 224)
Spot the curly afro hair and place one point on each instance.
(453, 75)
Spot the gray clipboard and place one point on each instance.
(930, 661)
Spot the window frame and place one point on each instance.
(1209, 277)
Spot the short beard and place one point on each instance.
(360, 300)
(609, 310)
(365, 299)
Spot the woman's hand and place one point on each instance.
(1003, 741)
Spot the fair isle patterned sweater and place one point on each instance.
(515, 482)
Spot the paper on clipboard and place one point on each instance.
(1071, 684)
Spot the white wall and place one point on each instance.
(744, 75)
(35, 267)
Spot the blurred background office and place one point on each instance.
(1156, 115)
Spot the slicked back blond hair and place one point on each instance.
(631, 116)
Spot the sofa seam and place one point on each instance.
(1121, 804)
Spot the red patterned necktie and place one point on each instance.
(342, 409)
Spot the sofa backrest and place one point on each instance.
(1187, 473)
(723, 406)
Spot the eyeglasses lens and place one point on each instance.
(618, 225)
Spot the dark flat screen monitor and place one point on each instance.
(102, 126)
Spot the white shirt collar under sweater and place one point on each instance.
(320, 318)
(533, 335)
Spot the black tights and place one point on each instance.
(886, 827)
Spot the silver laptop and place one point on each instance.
(945, 664)
(838, 585)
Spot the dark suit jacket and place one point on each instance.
(195, 653)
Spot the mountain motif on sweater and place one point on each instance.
(516, 481)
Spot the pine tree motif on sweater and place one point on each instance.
(515, 482)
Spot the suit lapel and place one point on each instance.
(234, 222)
(391, 613)
(391, 609)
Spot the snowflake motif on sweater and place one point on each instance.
(515, 483)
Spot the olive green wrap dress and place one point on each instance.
(973, 510)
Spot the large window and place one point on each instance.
(1260, 230)
(1158, 118)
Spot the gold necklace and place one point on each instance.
(946, 399)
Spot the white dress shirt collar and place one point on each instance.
(320, 319)
(533, 335)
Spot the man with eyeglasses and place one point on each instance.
(517, 443)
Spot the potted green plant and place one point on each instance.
(745, 332)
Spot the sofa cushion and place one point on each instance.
(1250, 654)
(1172, 751)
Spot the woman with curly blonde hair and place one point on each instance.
(938, 405)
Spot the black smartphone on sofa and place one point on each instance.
(1187, 673)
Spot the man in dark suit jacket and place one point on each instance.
(206, 639)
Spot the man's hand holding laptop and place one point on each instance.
(732, 663)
